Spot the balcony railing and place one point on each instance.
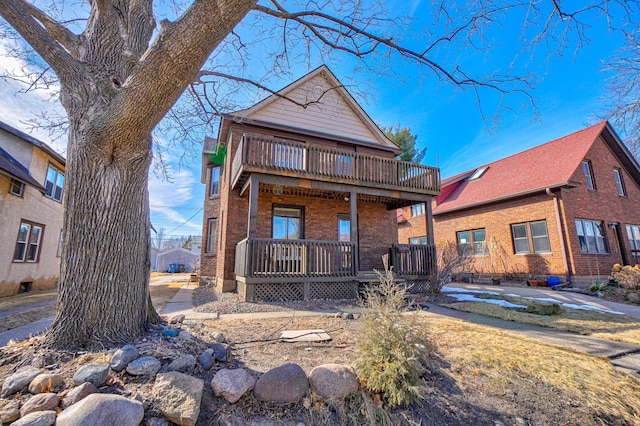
(270, 258)
(315, 162)
(413, 259)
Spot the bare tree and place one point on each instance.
(118, 76)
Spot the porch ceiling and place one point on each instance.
(280, 189)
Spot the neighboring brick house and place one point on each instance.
(31, 191)
(301, 197)
(570, 207)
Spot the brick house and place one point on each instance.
(302, 190)
(31, 191)
(570, 207)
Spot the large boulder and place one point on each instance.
(178, 396)
(104, 410)
(285, 384)
(96, 374)
(45, 383)
(19, 380)
(333, 381)
(123, 357)
(9, 411)
(40, 402)
(37, 418)
(232, 384)
(78, 393)
(543, 308)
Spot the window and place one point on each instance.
(633, 235)
(28, 243)
(212, 233)
(54, 183)
(344, 227)
(478, 173)
(591, 236)
(588, 174)
(530, 237)
(418, 240)
(417, 210)
(472, 242)
(287, 223)
(619, 182)
(16, 188)
(214, 184)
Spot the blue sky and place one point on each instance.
(570, 91)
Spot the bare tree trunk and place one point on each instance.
(104, 295)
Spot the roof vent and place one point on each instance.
(478, 173)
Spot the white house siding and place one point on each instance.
(178, 256)
(34, 207)
(333, 115)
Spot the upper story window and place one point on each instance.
(633, 235)
(591, 236)
(417, 210)
(472, 242)
(588, 174)
(287, 223)
(619, 182)
(16, 188)
(530, 237)
(28, 242)
(54, 183)
(214, 184)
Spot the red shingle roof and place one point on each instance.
(549, 165)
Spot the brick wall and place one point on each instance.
(414, 226)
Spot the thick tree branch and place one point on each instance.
(16, 14)
(66, 38)
(175, 57)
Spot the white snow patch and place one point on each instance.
(471, 298)
(590, 308)
(463, 290)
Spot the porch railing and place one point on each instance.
(318, 162)
(265, 257)
(413, 259)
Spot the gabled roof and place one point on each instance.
(28, 138)
(550, 165)
(324, 106)
(11, 167)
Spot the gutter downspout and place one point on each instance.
(563, 247)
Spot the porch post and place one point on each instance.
(252, 224)
(429, 219)
(353, 220)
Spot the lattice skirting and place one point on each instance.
(300, 291)
(417, 286)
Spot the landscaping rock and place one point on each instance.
(232, 384)
(333, 381)
(176, 319)
(183, 364)
(10, 412)
(543, 308)
(40, 402)
(178, 396)
(219, 352)
(38, 418)
(45, 383)
(170, 333)
(104, 410)
(92, 373)
(19, 380)
(285, 384)
(183, 335)
(78, 393)
(157, 421)
(123, 357)
(219, 337)
(347, 316)
(144, 366)
(206, 359)
(633, 298)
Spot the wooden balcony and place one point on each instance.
(293, 159)
(413, 259)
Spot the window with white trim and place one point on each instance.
(417, 210)
(633, 235)
(16, 188)
(54, 184)
(418, 240)
(212, 234)
(28, 242)
(214, 184)
(591, 235)
(617, 173)
(530, 237)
